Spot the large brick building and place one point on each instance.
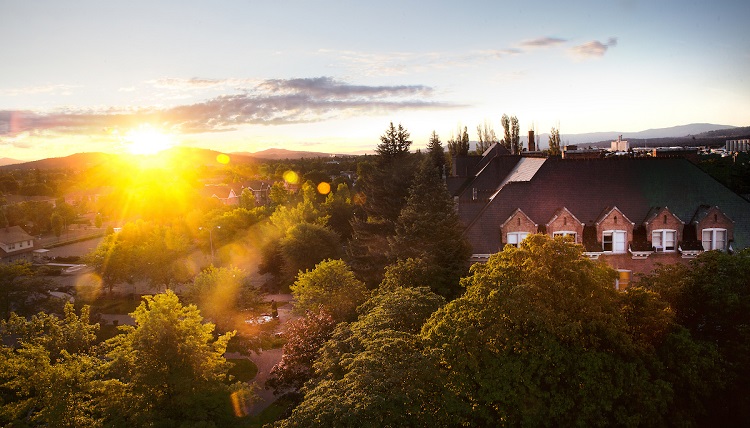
(630, 212)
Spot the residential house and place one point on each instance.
(630, 212)
(15, 244)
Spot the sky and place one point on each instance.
(329, 76)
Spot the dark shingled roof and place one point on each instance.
(589, 187)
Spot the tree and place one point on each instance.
(57, 224)
(394, 143)
(512, 139)
(52, 377)
(221, 293)
(247, 199)
(330, 286)
(376, 371)
(339, 208)
(20, 290)
(710, 297)
(304, 246)
(173, 369)
(554, 142)
(539, 339)
(305, 336)
(98, 221)
(436, 152)
(459, 146)
(487, 137)
(429, 228)
(383, 187)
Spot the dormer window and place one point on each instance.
(663, 240)
(613, 241)
(714, 239)
(515, 238)
(566, 234)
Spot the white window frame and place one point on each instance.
(712, 241)
(659, 239)
(518, 237)
(565, 233)
(612, 234)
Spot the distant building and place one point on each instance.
(633, 213)
(620, 145)
(15, 244)
(742, 145)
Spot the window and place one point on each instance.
(614, 241)
(566, 233)
(623, 279)
(515, 238)
(714, 239)
(664, 240)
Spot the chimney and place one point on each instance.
(532, 147)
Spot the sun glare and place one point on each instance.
(146, 140)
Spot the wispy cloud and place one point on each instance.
(41, 89)
(543, 42)
(270, 102)
(594, 48)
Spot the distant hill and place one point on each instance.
(276, 154)
(9, 161)
(76, 161)
(668, 136)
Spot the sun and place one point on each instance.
(146, 140)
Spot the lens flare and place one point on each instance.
(222, 159)
(324, 188)
(291, 177)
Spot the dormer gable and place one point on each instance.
(713, 227)
(519, 225)
(564, 223)
(612, 219)
(664, 230)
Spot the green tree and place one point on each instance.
(459, 146)
(221, 293)
(98, 221)
(394, 143)
(539, 339)
(512, 139)
(247, 199)
(554, 142)
(376, 371)
(304, 246)
(53, 376)
(436, 152)
(383, 189)
(711, 298)
(339, 208)
(330, 286)
(487, 137)
(174, 371)
(57, 224)
(429, 228)
(20, 289)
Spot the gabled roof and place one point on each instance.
(607, 211)
(14, 234)
(703, 211)
(588, 187)
(656, 212)
(560, 212)
(514, 214)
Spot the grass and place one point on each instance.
(276, 411)
(243, 369)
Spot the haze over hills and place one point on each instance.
(693, 134)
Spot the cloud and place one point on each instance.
(594, 48)
(41, 89)
(543, 42)
(270, 102)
